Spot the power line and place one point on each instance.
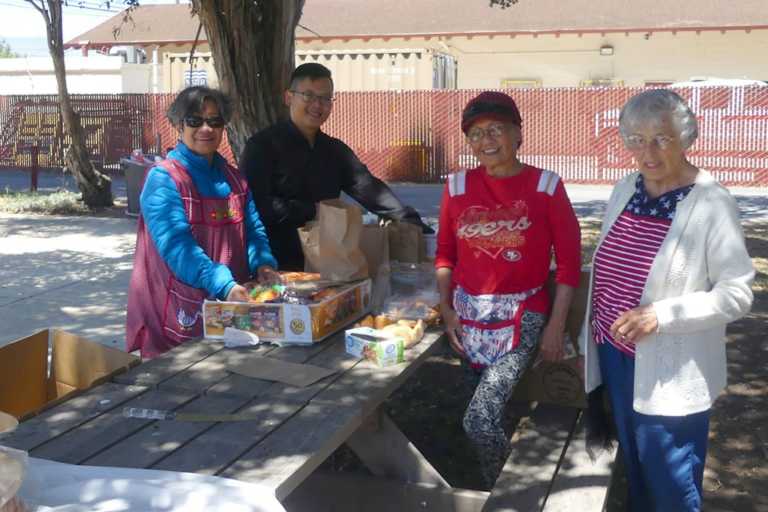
(85, 8)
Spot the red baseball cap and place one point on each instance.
(490, 105)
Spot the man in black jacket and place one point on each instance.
(292, 165)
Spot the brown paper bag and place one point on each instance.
(331, 244)
(406, 242)
(374, 242)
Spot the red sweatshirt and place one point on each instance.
(497, 234)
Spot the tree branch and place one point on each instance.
(503, 3)
(40, 8)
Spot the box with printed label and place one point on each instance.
(368, 343)
(290, 323)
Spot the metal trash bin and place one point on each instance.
(134, 172)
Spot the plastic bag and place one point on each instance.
(13, 466)
(413, 292)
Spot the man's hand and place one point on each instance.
(238, 293)
(268, 276)
(452, 328)
(551, 346)
(634, 325)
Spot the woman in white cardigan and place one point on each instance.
(670, 271)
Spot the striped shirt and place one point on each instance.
(623, 261)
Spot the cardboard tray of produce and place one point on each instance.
(291, 323)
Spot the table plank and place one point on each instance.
(352, 492)
(240, 385)
(334, 357)
(165, 366)
(294, 450)
(70, 414)
(366, 385)
(581, 484)
(283, 460)
(222, 444)
(92, 437)
(537, 449)
(205, 373)
(150, 445)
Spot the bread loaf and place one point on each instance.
(411, 335)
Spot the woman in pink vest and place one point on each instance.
(199, 235)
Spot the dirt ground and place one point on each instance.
(429, 407)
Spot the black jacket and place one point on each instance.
(287, 177)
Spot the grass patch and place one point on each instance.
(61, 202)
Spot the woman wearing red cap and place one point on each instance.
(499, 224)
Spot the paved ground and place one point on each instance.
(73, 272)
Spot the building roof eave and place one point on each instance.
(429, 35)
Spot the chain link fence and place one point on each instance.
(415, 136)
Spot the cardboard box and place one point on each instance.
(368, 344)
(290, 323)
(28, 384)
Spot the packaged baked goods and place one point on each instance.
(384, 347)
(413, 294)
(368, 344)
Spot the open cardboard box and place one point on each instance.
(290, 323)
(560, 383)
(28, 384)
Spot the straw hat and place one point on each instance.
(11, 468)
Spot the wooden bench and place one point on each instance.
(549, 469)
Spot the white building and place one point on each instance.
(95, 74)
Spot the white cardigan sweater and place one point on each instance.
(700, 280)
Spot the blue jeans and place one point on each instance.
(663, 455)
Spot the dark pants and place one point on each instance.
(484, 418)
(663, 455)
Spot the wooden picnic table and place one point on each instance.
(292, 430)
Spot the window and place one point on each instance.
(602, 82)
(195, 77)
(520, 83)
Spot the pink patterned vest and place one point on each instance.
(163, 312)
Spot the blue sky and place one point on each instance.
(22, 26)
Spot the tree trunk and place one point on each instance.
(95, 186)
(253, 52)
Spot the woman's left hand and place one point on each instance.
(551, 346)
(635, 324)
(267, 275)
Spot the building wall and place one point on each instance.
(409, 69)
(34, 75)
(568, 60)
(137, 78)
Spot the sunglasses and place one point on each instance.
(197, 121)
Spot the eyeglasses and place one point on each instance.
(310, 98)
(197, 121)
(494, 131)
(636, 142)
